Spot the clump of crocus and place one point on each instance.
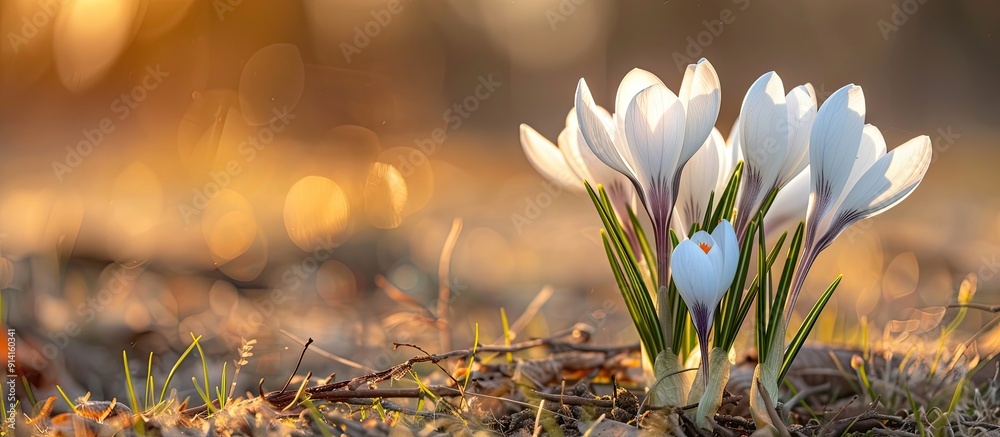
(824, 165)
(851, 178)
(654, 134)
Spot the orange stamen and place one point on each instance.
(705, 247)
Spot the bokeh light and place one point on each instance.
(317, 213)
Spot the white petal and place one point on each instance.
(595, 130)
(789, 206)
(654, 129)
(694, 274)
(725, 240)
(546, 158)
(633, 82)
(570, 140)
(734, 155)
(705, 241)
(734, 152)
(801, 106)
(871, 149)
(834, 143)
(893, 177)
(701, 175)
(578, 154)
(701, 97)
(763, 136)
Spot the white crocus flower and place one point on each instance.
(653, 135)
(774, 131)
(572, 162)
(852, 176)
(706, 172)
(703, 268)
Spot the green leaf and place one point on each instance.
(706, 222)
(724, 210)
(778, 306)
(806, 327)
(639, 318)
(647, 249)
(626, 268)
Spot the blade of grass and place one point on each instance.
(223, 400)
(128, 382)
(916, 412)
(205, 397)
(506, 334)
(72, 406)
(324, 427)
(147, 397)
(28, 392)
(472, 359)
(177, 365)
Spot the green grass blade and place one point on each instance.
(27, 390)
(472, 361)
(223, 400)
(128, 383)
(177, 365)
(147, 397)
(72, 406)
(506, 333)
(205, 397)
(204, 368)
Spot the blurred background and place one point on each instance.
(247, 169)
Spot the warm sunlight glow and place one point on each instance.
(89, 37)
(317, 213)
(385, 196)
